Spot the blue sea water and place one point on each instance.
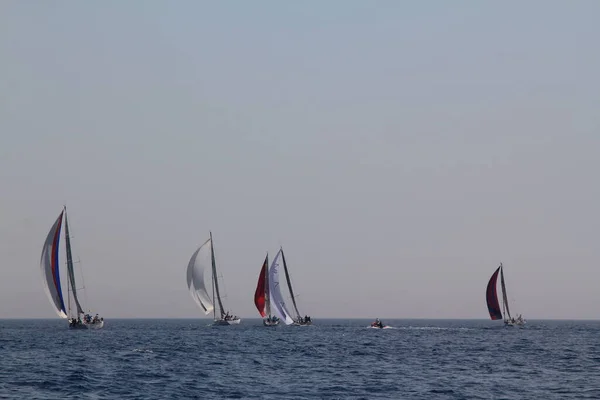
(334, 359)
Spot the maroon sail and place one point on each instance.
(260, 296)
(491, 297)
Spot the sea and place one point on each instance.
(333, 359)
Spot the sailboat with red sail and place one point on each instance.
(262, 299)
(493, 304)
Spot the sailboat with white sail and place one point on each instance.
(491, 296)
(262, 299)
(50, 266)
(203, 261)
(277, 302)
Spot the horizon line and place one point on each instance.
(318, 318)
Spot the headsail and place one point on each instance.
(70, 268)
(504, 296)
(491, 297)
(261, 296)
(50, 268)
(289, 283)
(199, 262)
(275, 291)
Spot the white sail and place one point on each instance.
(50, 268)
(277, 302)
(200, 261)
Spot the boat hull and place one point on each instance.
(302, 323)
(94, 325)
(270, 323)
(225, 322)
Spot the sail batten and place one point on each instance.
(50, 268)
(277, 302)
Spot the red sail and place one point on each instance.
(259, 295)
(491, 296)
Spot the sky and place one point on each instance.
(398, 151)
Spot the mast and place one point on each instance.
(70, 269)
(504, 296)
(267, 299)
(289, 282)
(215, 278)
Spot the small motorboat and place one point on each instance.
(377, 324)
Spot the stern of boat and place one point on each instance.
(226, 322)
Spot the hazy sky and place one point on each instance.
(397, 150)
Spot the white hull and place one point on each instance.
(224, 322)
(95, 325)
(518, 322)
(270, 323)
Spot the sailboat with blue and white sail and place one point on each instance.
(277, 302)
(202, 263)
(50, 266)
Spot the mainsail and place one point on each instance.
(261, 296)
(70, 268)
(289, 283)
(215, 278)
(491, 296)
(504, 296)
(195, 276)
(50, 268)
(275, 291)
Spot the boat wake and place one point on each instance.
(421, 328)
(142, 351)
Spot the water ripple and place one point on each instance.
(157, 359)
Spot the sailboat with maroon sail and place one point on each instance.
(262, 300)
(491, 296)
